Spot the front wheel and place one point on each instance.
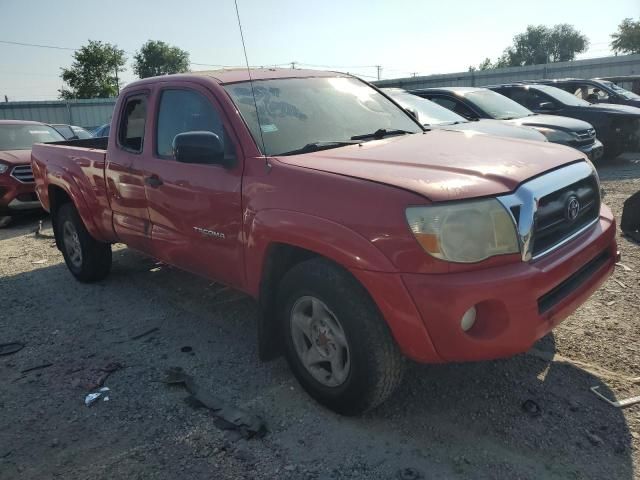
(88, 259)
(337, 343)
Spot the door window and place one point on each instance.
(591, 93)
(132, 123)
(187, 111)
(455, 106)
(529, 97)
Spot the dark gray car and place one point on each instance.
(474, 103)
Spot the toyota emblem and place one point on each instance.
(573, 208)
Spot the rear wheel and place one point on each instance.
(337, 343)
(87, 259)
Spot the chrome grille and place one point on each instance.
(553, 225)
(22, 173)
(553, 208)
(586, 137)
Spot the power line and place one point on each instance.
(37, 45)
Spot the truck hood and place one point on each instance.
(442, 165)
(498, 128)
(15, 157)
(615, 109)
(565, 124)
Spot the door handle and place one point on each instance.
(153, 181)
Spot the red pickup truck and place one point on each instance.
(365, 238)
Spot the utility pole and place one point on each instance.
(379, 69)
(414, 74)
(293, 65)
(117, 81)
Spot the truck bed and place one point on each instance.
(76, 167)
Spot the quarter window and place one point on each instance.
(187, 111)
(131, 131)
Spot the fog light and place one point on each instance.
(468, 319)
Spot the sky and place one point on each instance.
(402, 36)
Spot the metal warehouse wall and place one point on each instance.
(622, 65)
(84, 113)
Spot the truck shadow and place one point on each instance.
(23, 225)
(523, 417)
(624, 167)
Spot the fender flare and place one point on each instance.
(69, 185)
(323, 236)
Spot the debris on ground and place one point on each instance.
(38, 232)
(531, 408)
(595, 440)
(230, 417)
(619, 403)
(186, 349)
(37, 367)
(624, 267)
(145, 333)
(39, 262)
(409, 474)
(95, 377)
(91, 398)
(10, 348)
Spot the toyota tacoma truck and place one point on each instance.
(365, 238)
(17, 190)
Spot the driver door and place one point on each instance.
(195, 210)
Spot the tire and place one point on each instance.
(612, 150)
(347, 332)
(87, 259)
(4, 221)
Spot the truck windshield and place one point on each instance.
(428, 112)
(297, 112)
(497, 106)
(22, 137)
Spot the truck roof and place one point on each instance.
(241, 75)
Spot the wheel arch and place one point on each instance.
(279, 240)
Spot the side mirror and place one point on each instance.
(199, 147)
(547, 106)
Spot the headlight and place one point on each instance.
(3, 168)
(556, 136)
(464, 232)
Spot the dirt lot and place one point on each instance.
(528, 417)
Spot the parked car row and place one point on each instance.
(596, 129)
(365, 237)
(17, 194)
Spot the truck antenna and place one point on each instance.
(253, 93)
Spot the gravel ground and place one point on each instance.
(528, 417)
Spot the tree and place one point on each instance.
(158, 58)
(94, 72)
(541, 44)
(486, 64)
(627, 38)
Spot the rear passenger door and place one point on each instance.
(195, 209)
(125, 181)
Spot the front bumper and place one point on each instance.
(516, 304)
(16, 197)
(593, 151)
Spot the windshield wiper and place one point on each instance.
(317, 146)
(380, 133)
